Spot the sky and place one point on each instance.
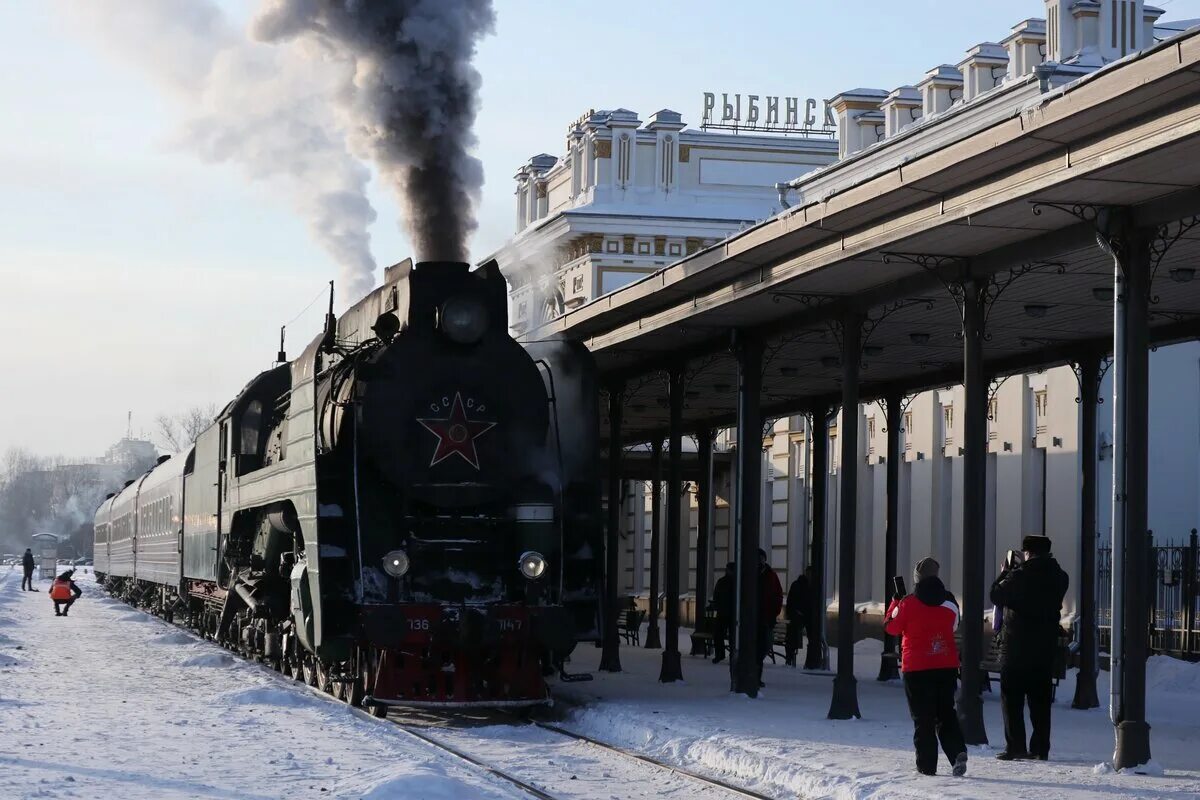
(136, 278)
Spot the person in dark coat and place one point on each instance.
(798, 606)
(770, 603)
(27, 563)
(64, 593)
(722, 604)
(1031, 594)
(926, 621)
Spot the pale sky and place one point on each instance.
(136, 278)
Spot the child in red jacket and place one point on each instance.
(929, 660)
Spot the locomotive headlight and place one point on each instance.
(463, 319)
(532, 564)
(395, 563)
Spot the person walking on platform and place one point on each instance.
(929, 662)
(770, 602)
(722, 604)
(798, 606)
(1031, 593)
(27, 563)
(64, 592)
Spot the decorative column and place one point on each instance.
(704, 440)
(889, 662)
(672, 670)
(653, 642)
(1134, 262)
(816, 657)
(974, 302)
(610, 658)
(1089, 372)
(844, 704)
(748, 347)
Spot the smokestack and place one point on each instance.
(413, 100)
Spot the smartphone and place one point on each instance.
(1012, 558)
(898, 586)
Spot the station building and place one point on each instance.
(592, 222)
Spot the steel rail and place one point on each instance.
(498, 773)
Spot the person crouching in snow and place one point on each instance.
(929, 661)
(63, 591)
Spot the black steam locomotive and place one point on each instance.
(408, 513)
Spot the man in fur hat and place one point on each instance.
(1031, 593)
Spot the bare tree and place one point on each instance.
(175, 432)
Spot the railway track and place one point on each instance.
(536, 765)
(618, 774)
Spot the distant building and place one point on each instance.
(627, 199)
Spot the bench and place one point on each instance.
(990, 663)
(779, 641)
(630, 623)
(702, 636)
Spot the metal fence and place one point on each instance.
(1174, 598)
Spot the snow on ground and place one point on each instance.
(113, 703)
(782, 745)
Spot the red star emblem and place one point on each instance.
(456, 434)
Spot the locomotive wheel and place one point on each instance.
(309, 670)
(352, 691)
(366, 672)
(323, 683)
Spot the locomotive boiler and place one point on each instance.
(408, 513)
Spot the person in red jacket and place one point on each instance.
(929, 661)
(770, 603)
(65, 591)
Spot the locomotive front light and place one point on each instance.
(395, 563)
(532, 565)
(463, 319)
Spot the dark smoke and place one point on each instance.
(413, 102)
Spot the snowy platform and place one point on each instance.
(113, 703)
(782, 745)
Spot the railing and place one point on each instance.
(1174, 602)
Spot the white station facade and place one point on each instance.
(630, 198)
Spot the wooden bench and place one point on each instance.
(702, 636)
(779, 641)
(630, 623)
(990, 664)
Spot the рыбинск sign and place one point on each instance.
(764, 113)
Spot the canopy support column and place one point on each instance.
(889, 662)
(610, 657)
(975, 300)
(844, 704)
(817, 655)
(749, 350)
(653, 641)
(672, 670)
(704, 439)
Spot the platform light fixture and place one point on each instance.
(919, 337)
(1036, 310)
(829, 362)
(1182, 274)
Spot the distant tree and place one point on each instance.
(176, 432)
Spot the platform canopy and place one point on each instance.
(1014, 189)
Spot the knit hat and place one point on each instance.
(1036, 545)
(926, 568)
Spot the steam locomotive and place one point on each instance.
(408, 513)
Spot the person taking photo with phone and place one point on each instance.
(929, 662)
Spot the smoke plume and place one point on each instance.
(413, 100)
(273, 112)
